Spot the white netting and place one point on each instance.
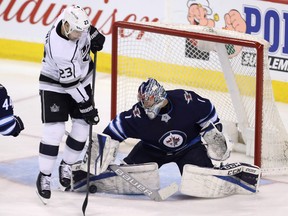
(188, 63)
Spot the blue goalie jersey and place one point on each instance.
(175, 129)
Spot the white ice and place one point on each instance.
(19, 167)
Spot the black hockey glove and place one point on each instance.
(89, 113)
(97, 39)
(18, 127)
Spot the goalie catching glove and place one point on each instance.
(215, 141)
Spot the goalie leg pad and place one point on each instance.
(235, 178)
(110, 182)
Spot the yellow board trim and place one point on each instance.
(28, 51)
(179, 74)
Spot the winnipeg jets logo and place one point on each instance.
(165, 118)
(187, 97)
(136, 112)
(173, 139)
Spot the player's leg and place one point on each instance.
(54, 114)
(196, 155)
(144, 154)
(75, 143)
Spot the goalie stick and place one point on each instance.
(157, 195)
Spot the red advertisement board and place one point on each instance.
(278, 1)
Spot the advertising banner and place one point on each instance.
(29, 20)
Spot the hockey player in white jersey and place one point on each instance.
(10, 124)
(65, 91)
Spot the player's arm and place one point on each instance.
(10, 124)
(124, 125)
(70, 75)
(115, 129)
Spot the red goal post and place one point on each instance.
(229, 68)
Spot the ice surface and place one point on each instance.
(19, 167)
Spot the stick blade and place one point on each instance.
(84, 205)
(168, 191)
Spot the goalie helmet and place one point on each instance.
(151, 96)
(77, 19)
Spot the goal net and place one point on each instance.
(229, 68)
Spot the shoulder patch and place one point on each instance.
(188, 97)
(136, 112)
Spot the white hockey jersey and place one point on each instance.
(65, 65)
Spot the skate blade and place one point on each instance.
(62, 188)
(43, 200)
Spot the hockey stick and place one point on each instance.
(157, 195)
(85, 203)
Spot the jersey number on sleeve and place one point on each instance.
(7, 103)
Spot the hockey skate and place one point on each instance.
(43, 187)
(65, 173)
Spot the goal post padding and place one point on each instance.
(229, 68)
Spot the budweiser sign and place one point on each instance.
(44, 13)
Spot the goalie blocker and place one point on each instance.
(234, 178)
(103, 152)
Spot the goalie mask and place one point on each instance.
(151, 96)
(77, 19)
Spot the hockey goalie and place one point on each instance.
(176, 126)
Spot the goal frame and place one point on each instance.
(200, 36)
